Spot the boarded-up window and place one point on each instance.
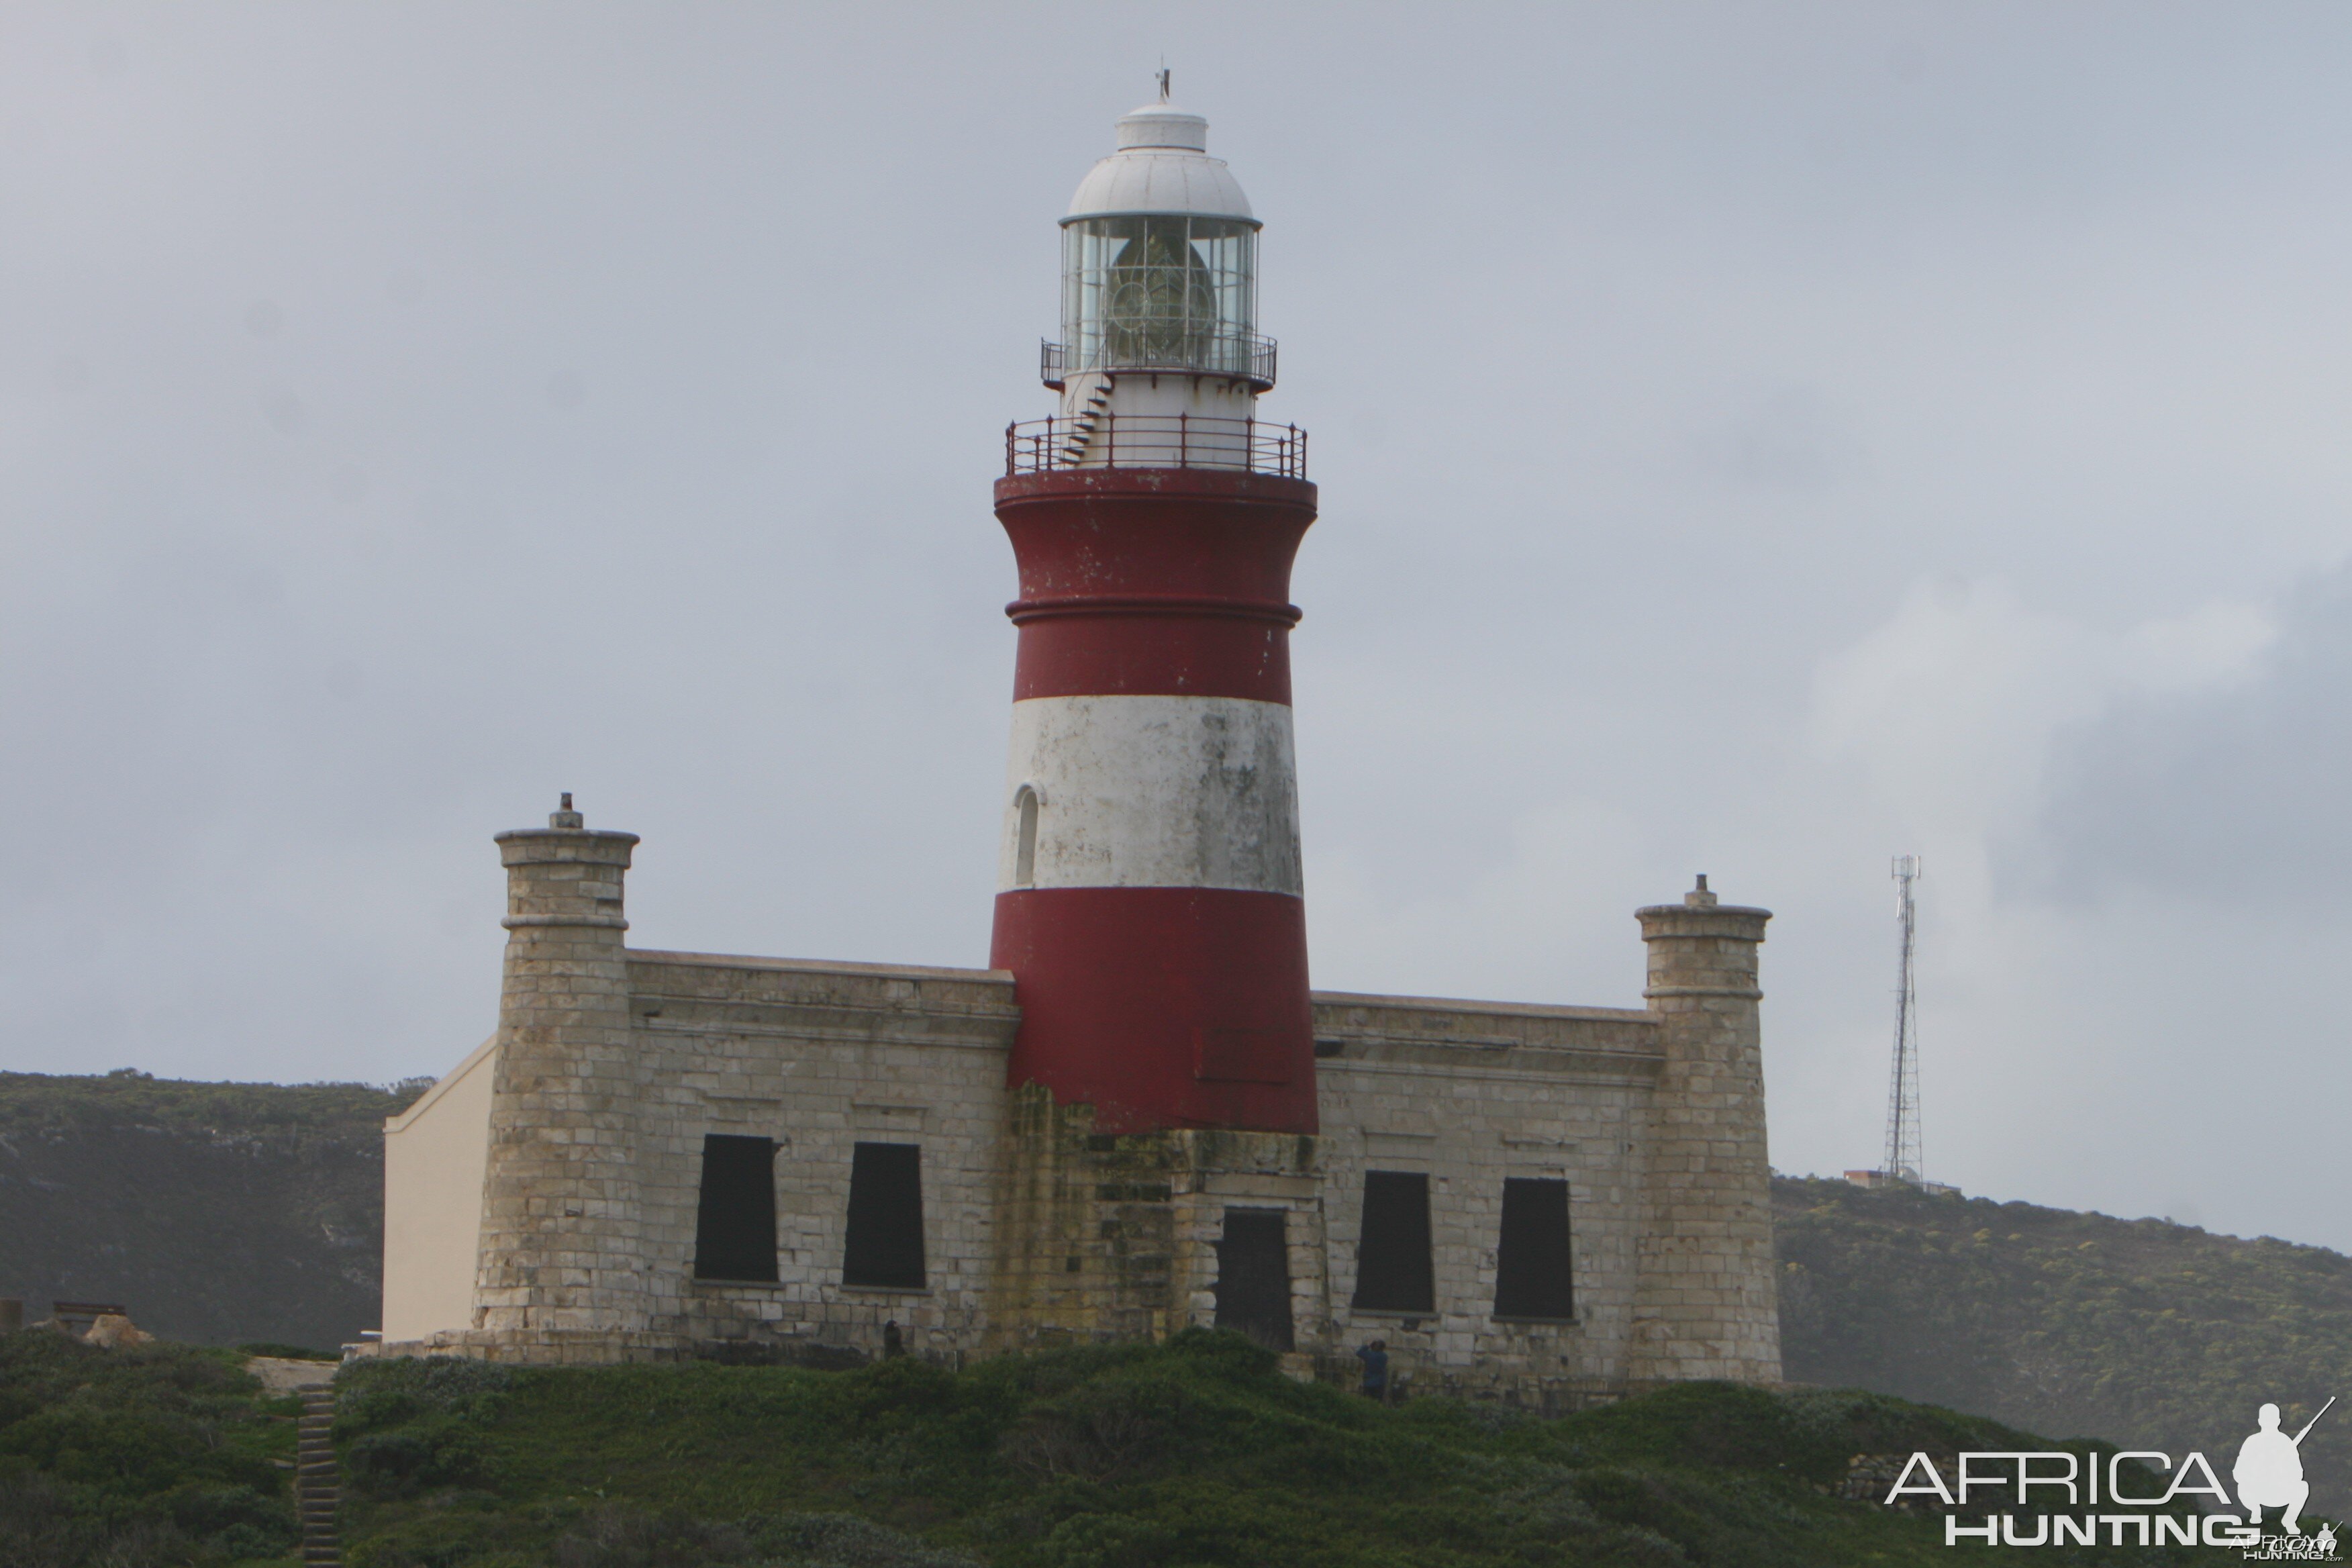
(735, 1220)
(1531, 1266)
(885, 1217)
(1393, 1268)
(1253, 1278)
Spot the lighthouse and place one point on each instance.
(1137, 1119)
(1150, 900)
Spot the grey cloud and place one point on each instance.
(2239, 795)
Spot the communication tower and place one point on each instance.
(1903, 1159)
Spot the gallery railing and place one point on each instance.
(1244, 356)
(1111, 441)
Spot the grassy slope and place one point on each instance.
(1192, 1454)
(214, 1212)
(2147, 1333)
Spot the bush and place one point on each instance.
(1093, 1434)
(45, 1525)
(287, 1353)
(128, 1457)
(382, 1391)
(844, 1540)
(615, 1537)
(410, 1423)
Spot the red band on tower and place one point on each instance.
(1171, 581)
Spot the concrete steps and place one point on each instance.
(318, 1481)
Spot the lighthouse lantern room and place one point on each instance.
(1161, 361)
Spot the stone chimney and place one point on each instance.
(560, 1243)
(1703, 1299)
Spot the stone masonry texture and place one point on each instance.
(1702, 1274)
(613, 1064)
(563, 1234)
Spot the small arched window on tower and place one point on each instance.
(1024, 842)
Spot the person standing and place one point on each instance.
(1375, 1357)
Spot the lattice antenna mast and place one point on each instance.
(1903, 1156)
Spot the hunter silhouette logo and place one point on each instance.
(2269, 1471)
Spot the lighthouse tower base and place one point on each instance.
(1107, 1236)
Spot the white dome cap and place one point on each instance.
(1162, 125)
(1161, 166)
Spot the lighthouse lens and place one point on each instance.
(1148, 291)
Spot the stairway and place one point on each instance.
(1083, 423)
(318, 1483)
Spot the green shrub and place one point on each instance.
(845, 1541)
(410, 1424)
(381, 1391)
(617, 1538)
(154, 1456)
(287, 1353)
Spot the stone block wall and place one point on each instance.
(818, 1057)
(1471, 1094)
(821, 1057)
(613, 1066)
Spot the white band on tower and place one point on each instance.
(1151, 791)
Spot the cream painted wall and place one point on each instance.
(435, 1155)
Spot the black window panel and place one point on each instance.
(1393, 1266)
(885, 1217)
(735, 1221)
(1531, 1267)
(1253, 1278)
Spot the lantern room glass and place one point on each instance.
(1155, 291)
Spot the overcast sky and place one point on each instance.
(1757, 440)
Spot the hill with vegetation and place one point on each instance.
(1195, 1454)
(2151, 1334)
(215, 1212)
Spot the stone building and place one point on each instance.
(1140, 1117)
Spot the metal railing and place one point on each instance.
(1155, 441)
(1245, 356)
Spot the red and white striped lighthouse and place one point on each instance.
(1150, 898)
